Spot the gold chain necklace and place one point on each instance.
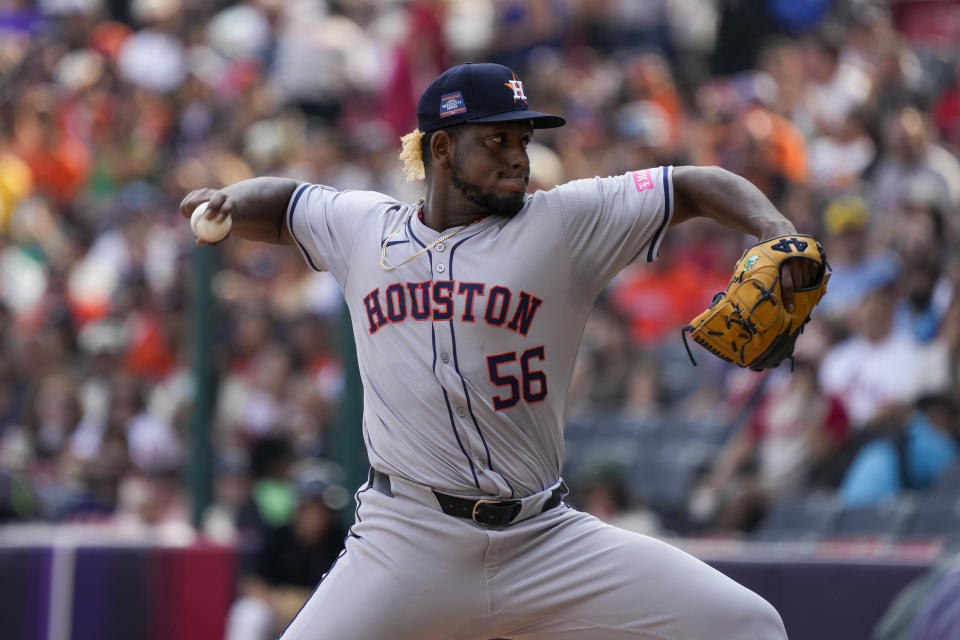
(383, 247)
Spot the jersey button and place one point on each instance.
(441, 268)
(444, 358)
(461, 411)
(440, 247)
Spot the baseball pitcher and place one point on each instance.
(468, 309)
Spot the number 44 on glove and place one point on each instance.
(748, 324)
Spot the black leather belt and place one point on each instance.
(485, 511)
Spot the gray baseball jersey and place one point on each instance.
(466, 352)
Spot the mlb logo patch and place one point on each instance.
(452, 104)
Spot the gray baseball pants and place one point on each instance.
(411, 572)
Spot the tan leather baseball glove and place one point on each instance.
(748, 324)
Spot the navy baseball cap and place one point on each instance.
(478, 92)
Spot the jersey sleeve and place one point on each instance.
(611, 222)
(324, 223)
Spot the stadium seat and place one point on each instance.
(804, 518)
(714, 430)
(949, 481)
(645, 428)
(597, 439)
(937, 515)
(887, 519)
(664, 475)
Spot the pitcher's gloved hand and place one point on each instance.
(774, 288)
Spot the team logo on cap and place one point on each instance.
(517, 87)
(452, 104)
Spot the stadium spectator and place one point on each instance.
(909, 459)
(289, 563)
(946, 111)
(257, 404)
(605, 493)
(911, 160)
(834, 89)
(857, 263)
(925, 296)
(271, 501)
(95, 152)
(839, 159)
(793, 429)
(873, 372)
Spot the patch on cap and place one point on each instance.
(452, 104)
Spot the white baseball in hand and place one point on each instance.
(206, 229)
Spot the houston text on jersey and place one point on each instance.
(442, 299)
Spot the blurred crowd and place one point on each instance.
(846, 114)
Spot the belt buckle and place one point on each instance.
(476, 505)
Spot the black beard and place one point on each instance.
(492, 203)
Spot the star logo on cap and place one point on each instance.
(517, 85)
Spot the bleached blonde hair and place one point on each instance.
(411, 152)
